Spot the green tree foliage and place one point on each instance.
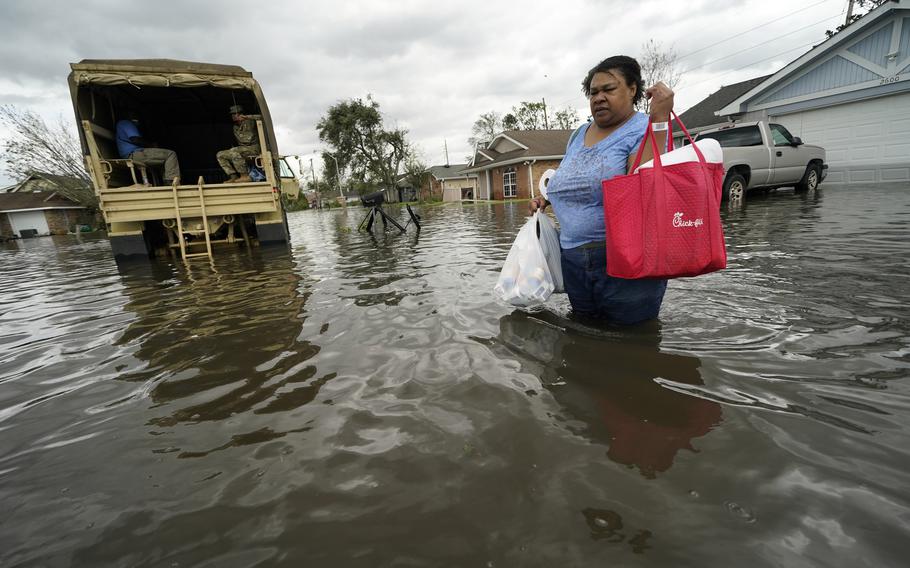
(34, 147)
(527, 115)
(298, 204)
(416, 175)
(361, 144)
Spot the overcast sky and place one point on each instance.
(432, 66)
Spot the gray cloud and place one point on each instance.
(433, 67)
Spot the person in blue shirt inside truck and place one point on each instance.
(131, 145)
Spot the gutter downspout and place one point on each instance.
(531, 177)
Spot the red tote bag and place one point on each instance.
(664, 221)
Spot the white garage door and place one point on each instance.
(865, 141)
(451, 194)
(25, 220)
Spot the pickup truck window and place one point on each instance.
(781, 135)
(745, 136)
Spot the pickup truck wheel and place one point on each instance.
(810, 179)
(734, 187)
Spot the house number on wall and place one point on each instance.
(892, 79)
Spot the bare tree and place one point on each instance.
(34, 147)
(485, 128)
(527, 115)
(657, 64)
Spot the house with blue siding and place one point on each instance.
(850, 94)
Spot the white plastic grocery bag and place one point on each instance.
(532, 269)
(549, 242)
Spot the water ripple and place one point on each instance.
(363, 400)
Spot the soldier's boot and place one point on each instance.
(244, 178)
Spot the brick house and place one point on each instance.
(510, 166)
(38, 213)
(450, 182)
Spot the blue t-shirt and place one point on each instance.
(575, 190)
(127, 129)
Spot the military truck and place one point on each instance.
(762, 156)
(182, 106)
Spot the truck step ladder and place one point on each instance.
(205, 225)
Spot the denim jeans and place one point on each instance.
(593, 293)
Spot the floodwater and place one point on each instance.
(364, 401)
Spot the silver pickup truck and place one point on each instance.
(765, 156)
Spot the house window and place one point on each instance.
(509, 184)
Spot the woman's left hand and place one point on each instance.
(661, 101)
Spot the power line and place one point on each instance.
(751, 47)
(759, 44)
(748, 65)
(739, 34)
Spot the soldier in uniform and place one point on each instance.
(233, 160)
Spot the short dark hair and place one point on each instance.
(627, 66)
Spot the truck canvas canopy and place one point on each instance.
(182, 105)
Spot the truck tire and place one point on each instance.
(810, 179)
(734, 187)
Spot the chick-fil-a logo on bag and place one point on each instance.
(678, 221)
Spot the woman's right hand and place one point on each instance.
(537, 203)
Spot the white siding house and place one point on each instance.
(850, 95)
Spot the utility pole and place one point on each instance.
(315, 184)
(337, 175)
(546, 122)
(446, 145)
(849, 13)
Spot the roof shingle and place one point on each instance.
(34, 200)
(540, 143)
(447, 171)
(702, 114)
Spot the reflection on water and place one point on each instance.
(364, 401)
(606, 381)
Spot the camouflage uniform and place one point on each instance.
(233, 160)
(157, 157)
